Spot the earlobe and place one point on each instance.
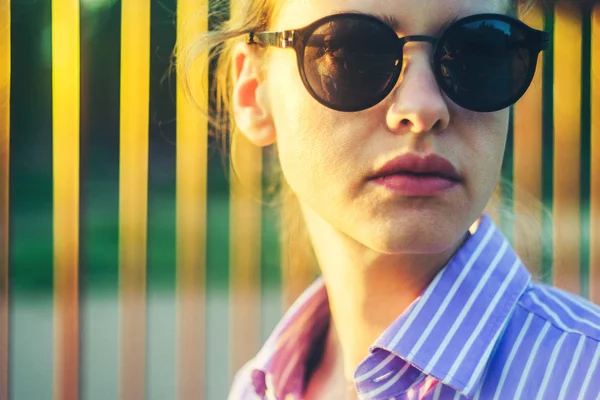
(249, 98)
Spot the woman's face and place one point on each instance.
(329, 158)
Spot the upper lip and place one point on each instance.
(430, 164)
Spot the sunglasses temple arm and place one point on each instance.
(281, 39)
(544, 40)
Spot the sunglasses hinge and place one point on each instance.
(286, 39)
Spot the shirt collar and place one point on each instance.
(279, 366)
(470, 300)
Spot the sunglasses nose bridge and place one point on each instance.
(403, 41)
(418, 38)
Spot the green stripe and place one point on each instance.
(270, 257)
(99, 209)
(31, 203)
(161, 328)
(586, 144)
(217, 246)
(506, 223)
(162, 174)
(270, 246)
(99, 183)
(218, 201)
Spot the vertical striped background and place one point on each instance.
(128, 271)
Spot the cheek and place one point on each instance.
(285, 88)
(310, 137)
(300, 139)
(487, 142)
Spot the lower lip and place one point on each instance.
(412, 185)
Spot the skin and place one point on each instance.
(377, 250)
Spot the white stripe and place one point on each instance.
(487, 367)
(532, 356)
(569, 377)
(457, 396)
(387, 385)
(426, 388)
(421, 303)
(412, 391)
(484, 360)
(291, 363)
(419, 379)
(550, 366)
(466, 308)
(477, 331)
(276, 342)
(511, 356)
(450, 296)
(286, 343)
(478, 392)
(583, 303)
(374, 370)
(559, 322)
(591, 370)
(570, 312)
(438, 391)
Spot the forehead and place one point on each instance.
(413, 16)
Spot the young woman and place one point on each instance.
(390, 121)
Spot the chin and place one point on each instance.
(423, 238)
(418, 247)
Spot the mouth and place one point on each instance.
(416, 175)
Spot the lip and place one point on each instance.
(417, 175)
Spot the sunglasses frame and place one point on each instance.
(535, 41)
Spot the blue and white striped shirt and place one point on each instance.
(480, 330)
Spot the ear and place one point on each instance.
(249, 99)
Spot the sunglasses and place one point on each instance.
(351, 62)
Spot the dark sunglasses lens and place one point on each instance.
(350, 62)
(484, 65)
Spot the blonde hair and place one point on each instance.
(258, 15)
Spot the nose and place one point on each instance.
(417, 105)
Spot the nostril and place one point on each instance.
(405, 122)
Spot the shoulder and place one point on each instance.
(565, 311)
(549, 348)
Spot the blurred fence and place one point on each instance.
(96, 202)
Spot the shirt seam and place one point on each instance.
(554, 325)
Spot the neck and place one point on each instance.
(367, 290)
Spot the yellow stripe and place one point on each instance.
(567, 142)
(65, 105)
(135, 98)
(528, 161)
(4, 181)
(595, 156)
(192, 163)
(245, 237)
